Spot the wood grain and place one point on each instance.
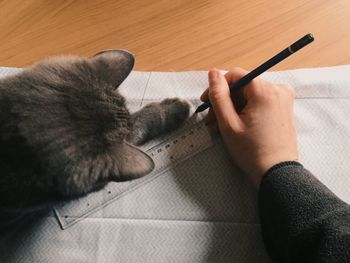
(176, 35)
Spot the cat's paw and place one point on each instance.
(176, 111)
(157, 118)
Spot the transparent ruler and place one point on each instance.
(191, 139)
(183, 145)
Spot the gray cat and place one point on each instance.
(65, 130)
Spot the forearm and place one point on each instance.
(302, 220)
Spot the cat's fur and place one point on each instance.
(65, 129)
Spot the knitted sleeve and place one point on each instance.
(302, 220)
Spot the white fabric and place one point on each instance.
(202, 209)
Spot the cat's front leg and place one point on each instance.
(157, 118)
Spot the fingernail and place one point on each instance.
(213, 74)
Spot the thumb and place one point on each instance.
(220, 98)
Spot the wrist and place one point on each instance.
(269, 164)
(276, 155)
(277, 167)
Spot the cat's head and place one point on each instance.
(67, 110)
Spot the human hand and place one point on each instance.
(256, 122)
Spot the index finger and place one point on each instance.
(230, 78)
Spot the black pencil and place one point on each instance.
(302, 42)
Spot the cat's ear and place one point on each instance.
(113, 65)
(132, 162)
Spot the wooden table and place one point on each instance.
(176, 35)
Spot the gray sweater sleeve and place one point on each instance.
(302, 220)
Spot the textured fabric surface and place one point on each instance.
(202, 209)
(302, 220)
